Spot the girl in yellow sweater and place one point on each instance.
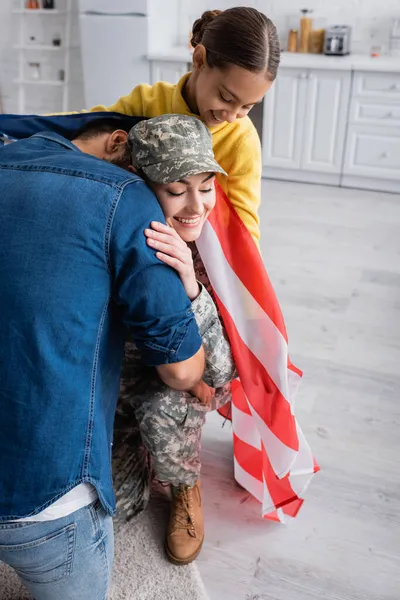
(235, 61)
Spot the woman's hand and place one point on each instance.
(173, 251)
(203, 392)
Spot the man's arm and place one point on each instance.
(183, 375)
(150, 294)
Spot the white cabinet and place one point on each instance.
(168, 71)
(372, 157)
(284, 108)
(377, 85)
(373, 152)
(304, 128)
(325, 121)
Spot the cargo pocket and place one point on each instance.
(185, 422)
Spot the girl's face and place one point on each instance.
(225, 95)
(187, 203)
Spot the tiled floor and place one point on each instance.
(334, 258)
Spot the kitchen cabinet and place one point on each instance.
(325, 121)
(168, 71)
(284, 108)
(372, 157)
(304, 128)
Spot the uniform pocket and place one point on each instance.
(185, 411)
(45, 560)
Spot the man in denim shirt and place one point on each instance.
(75, 274)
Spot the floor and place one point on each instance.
(334, 258)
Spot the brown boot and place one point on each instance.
(185, 533)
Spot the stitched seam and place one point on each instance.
(61, 171)
(103, 553)
(100, 538)
(71, 550)
(90, 426)
(39, 542)
(110, 220)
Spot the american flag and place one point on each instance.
(272, 459)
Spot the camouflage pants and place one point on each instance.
(158, 429)
(161, 433)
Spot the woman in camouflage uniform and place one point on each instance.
(157, 427)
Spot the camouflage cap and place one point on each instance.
(171, 147)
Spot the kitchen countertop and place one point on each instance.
(353, 62)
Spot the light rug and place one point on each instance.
(141, 571)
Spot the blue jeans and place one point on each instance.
(66, 559)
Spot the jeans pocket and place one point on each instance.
(44, 560)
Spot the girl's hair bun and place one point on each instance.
(201, 25)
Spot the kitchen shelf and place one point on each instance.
(40, 82)
(24, 50)
(38, 11)
(46, 48)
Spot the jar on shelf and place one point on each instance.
(32, 4)
(34, 70)
(305, 29)
(56, 41)
(293, 40)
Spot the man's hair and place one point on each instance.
(99, 126)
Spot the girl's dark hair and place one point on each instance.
(239, 36)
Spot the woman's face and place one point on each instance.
(224, 96)
(187, 203)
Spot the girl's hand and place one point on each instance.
(173, 251)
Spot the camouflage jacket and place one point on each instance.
(140, 383)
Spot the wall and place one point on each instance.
(370, 19)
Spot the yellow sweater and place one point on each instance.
(236, 145)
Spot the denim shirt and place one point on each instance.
(75, 275)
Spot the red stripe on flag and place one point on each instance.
(294, 369)
(261, 391)
(280, 490)
(293, 508)
(273, 516)
(226, 411)
(239, 398)
(248, 458)
(244, 258)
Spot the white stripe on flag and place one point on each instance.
(244, 428)
(280, 456)
(304, 462)
(254, 326)
(250, 483)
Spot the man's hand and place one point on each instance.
(203, 392)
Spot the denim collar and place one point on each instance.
(58, 139)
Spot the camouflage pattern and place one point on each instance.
(157, 429)
(171, 147)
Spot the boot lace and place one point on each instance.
(184, 515)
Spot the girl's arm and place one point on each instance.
(243, 184)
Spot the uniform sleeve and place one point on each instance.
(220, 368)
(244, 182)
(150, 294)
